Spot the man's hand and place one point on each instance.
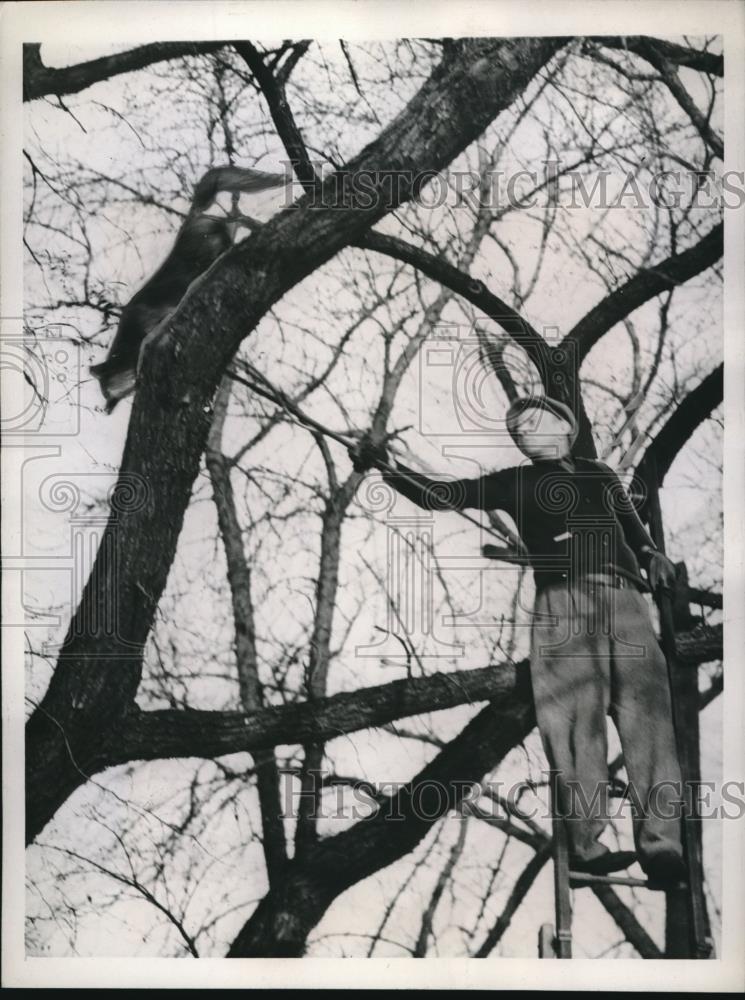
(661, 572)
(365, 455)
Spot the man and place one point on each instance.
(593, 647)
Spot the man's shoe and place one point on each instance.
(603, 864)
(665, 870)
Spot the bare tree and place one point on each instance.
(267, 382)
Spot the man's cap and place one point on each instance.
(520, 406)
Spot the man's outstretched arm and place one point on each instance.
(438, 493)
(430, 493)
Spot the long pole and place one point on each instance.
(297, 416)
(696, 940)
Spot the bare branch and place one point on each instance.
(273, 88)
(682, 55)
(643, 286)
(519, 891)
(426, 929)
(670, 76)
(39, 79)
(247, 662)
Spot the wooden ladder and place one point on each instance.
(555, 941)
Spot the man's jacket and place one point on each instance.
(573, 521)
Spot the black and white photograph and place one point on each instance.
(373, 469)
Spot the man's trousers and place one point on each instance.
(594, 653)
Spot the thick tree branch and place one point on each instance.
(681, 55)
(689, 414)
(194, 733)
(707, 598)
(702, 645)
(474, 291)
(643, 286)
(555, 368)
(39, 79)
